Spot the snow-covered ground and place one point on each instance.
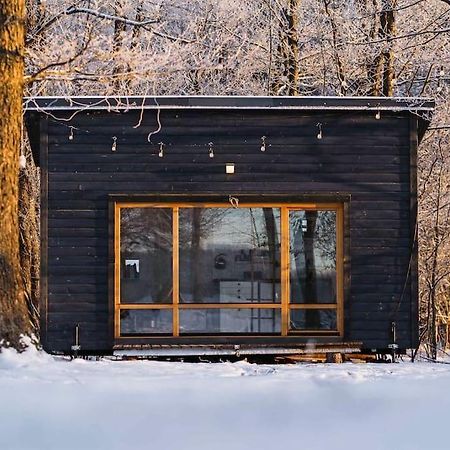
(51, 403)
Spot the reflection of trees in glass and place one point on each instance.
(303, 245)
(313, 256)
(302, 320)
(326, 244)
(273, 243)
(196, 225)
(145, 229)
(146, 233)
(247, 240)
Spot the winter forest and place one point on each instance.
(265, 47)
(343, 49)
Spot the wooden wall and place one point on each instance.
(359, 158)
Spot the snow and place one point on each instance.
(54, 403)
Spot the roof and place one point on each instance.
(35, 106)
(43, 104)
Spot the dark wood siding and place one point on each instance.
(360, 158)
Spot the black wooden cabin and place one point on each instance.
(262, 223)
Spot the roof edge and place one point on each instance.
(121, 103)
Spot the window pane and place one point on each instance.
(313, 319)
(312, 256)
(229, 255)
(215, 321)
(146, 255)
(150, 321)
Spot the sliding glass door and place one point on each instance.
(211, 269)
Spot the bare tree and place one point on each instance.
(13, 311)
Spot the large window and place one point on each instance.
(213, 269)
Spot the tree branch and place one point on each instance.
(74, 10)
(92, 12)
(403, 36)
(34, 77)
(47, 25)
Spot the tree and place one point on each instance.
(13, 311)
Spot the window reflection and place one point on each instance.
(313, 319)
(226, 256)
(245, 321)
(151, 321)
(146, 255)
(229, 255)
(312, 256)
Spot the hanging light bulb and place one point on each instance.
(71, 134)
(263, 143)
(378, 115)
(161, 150)
(211, 150)
(319, 134)
(114, 144)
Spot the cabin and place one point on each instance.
(228, 225)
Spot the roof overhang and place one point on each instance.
(35, 106)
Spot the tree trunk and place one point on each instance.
(29, 237)
(119, 31)
(381, 72)
(287, 79)
(14, 319)
(337, 60)
(293, 67)
(388, 54)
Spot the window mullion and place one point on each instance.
(340, 268)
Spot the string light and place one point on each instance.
(378, 115)
(161, 150)
(211, 154)
(319, 134)
(263, 143)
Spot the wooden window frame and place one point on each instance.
(285, 306)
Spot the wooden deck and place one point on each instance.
(235, 350)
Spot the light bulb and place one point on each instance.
(319, 134)
(263, 143)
